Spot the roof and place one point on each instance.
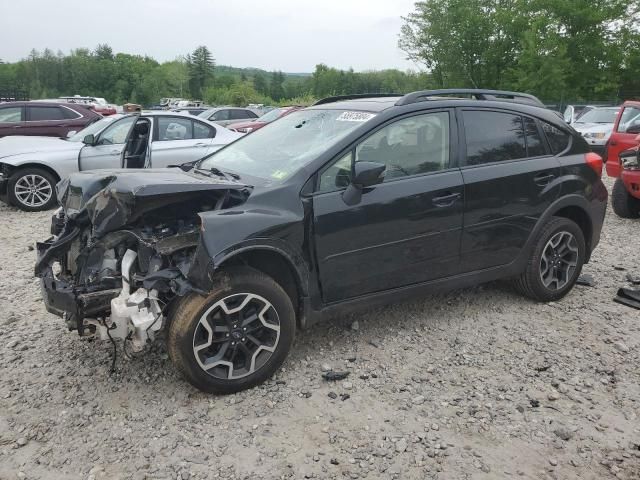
(371, 104)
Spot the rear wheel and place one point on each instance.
(624, 204)
(555, 263)
(32, 189)
(237, 336)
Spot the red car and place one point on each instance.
(623, 137)
(625, 196)
(252, 125)
(47, 119)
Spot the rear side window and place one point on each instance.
(558, 140)
(493, 137)
(11, 114)
(239, 114)
(200, 130)
(70, 114)
(174, 128)
(535, 146)
(40, 114)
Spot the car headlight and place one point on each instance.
(595, 135)
(245, 130)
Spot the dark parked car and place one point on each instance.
(352, 202)
(44, 119)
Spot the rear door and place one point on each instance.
(621, 139)
(46, 120)
(12, 120)
(178, 140)
(509, 175)
(106, 152)
(403, 231)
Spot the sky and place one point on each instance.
(287, 35)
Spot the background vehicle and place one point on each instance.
(352, 202)
(30, 167)
(596, 126)
(191, 110)
(44, 118)
(625, 196)
(573, 112)
(227, 115)
(98, 104)
(623, 137)
(255, 124)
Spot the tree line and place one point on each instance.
(559, 50)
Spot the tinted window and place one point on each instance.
(535, 147)
(200, 130)
(630, 118)
(493, 137)
(220, 115)
(411, 146)
(240, 114)
(174, 128)
(11, 114)
(38, 114)
(558, 140)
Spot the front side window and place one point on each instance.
(630, 118)
(411, 146)
(116, 134)
(40, 114)
(11, 114)
(174, 128)
(94, 129)
(493, 137)
(287, 145)
(220, 116)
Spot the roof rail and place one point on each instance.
(478, 94)
(338, 98)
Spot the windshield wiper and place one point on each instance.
(216, 171)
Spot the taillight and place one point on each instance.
(595, 162)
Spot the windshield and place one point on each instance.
(207, 113)
(599, 115)
(277, 151)
(92, 129)
(271, 116)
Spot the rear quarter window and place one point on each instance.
(559, 140)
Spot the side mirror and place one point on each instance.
(89, 139)
(366, 174)
(71, 133)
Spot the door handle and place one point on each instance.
(446, 200)
(115, 152)
(17, 126)
(543, 179)
(200, 145)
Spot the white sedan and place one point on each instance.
(30, 167)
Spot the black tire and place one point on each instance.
(181, 339)
(530, 282)
(48, 189)
(623, 203)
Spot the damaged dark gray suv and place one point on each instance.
(354, 201)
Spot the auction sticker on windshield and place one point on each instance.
(355, 116)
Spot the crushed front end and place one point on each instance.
(125, 246)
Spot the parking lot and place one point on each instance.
(478, 383)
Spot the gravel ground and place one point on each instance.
(476, 384)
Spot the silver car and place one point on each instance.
(30, 167)
(227, 115)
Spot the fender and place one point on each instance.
(227, 233)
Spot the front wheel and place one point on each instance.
(237, 336)
(555, 263)
(624, 204)
(32, 189)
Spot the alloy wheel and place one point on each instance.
(33, 190)
(559, 260)
(236, 336)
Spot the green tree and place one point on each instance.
(201, 70)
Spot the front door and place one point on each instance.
(620, 139)
(107, 149)
(509, 177)
(403, 231)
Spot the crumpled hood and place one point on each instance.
(111, 199)
(20, 145)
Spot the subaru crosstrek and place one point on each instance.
(354, 201)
